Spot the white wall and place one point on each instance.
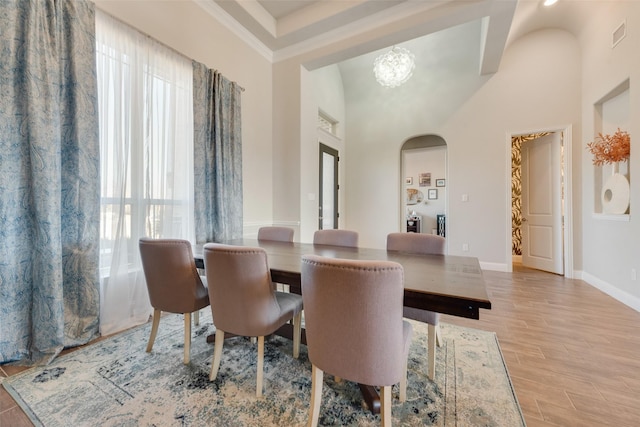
(329, 97)
(287, 147)
(611, 248)
(188, 29)
(329, 94)
(537, 87)
(526, 94)
(298, 94)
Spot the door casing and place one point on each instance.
(568, 196)
(326, 152)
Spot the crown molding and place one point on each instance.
(363, 25)
(230, 23)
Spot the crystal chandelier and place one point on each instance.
(394, 67)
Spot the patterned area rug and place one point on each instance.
(116, 383)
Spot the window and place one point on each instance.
(146, 151)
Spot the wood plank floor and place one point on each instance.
(573, 352)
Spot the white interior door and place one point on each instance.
(542, 233)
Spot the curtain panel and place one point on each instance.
(49, 169)
(146, 151)
(217, 155)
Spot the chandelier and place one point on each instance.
(394, 67)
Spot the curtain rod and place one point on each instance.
(153, 38)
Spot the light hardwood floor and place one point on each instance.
(573, 352)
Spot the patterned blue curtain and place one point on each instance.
(49, 178)
(217, 156)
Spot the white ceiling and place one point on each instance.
(362, 28)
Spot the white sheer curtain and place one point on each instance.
(146, 151)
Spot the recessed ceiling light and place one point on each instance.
(550, 2)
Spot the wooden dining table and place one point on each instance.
(442, 283)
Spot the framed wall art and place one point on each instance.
(440, 182)
(432, 194)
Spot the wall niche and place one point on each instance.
(612, 112)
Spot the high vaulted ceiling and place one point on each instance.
(343, 30)
(292, 27)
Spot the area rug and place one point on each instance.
(116, 383)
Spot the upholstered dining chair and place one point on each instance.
(277, 234)
(280, 234)
(244, 301)
(173, 283)
(422, 244)
(334, 237)
(354, 326)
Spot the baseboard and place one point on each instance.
(494, 266)
(614, 292)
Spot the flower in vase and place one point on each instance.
(610, 148)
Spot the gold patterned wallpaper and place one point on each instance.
(516, 189)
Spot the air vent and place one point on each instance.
(619, 33)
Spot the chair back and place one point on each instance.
(240, 290)
(171, 275)
(428, 244)
(280, 234)
(334, 237)
(353, 318)
(416, 243)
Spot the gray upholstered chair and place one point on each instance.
(173, 283)
(280, 234)
(421, 244)
(354, 326)
(244, 301)
(336, 238)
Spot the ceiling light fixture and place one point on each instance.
(394, 67)
(550, 2)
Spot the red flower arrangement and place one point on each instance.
(610, 148)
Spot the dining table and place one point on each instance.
(447, 284)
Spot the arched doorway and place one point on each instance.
(423, 168)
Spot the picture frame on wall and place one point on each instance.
(408, 180)
(440, 182)
(425, 180)
(432, 194)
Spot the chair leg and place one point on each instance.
(297, 330)
(403, 383)
(217, 354)
(431, 352)
(385, 406)
(187, 337)
(316, 396)
(438, 336)
(260, 366)
(196, 317)
(154, 329)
